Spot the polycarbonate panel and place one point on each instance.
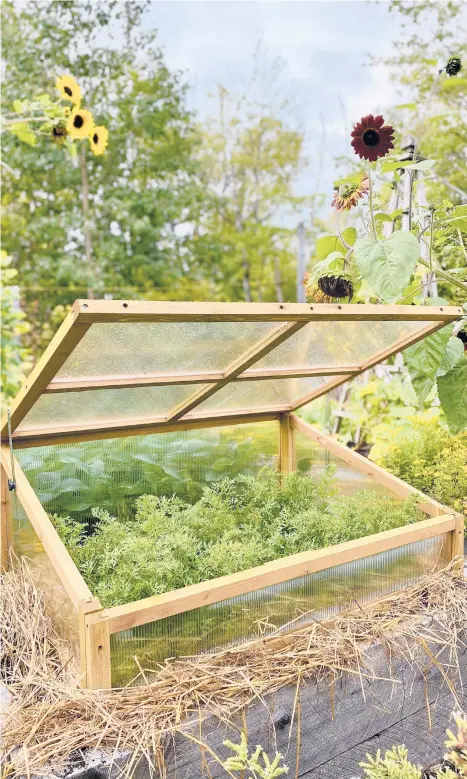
(72, 479)
(265, 393)
(313, 459)
(282, 606)
(27, 544)
(336, 343)
(106, 405)
(136, 348)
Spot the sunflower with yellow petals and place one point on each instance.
(99, 139)
(80, 124)
(70, 89)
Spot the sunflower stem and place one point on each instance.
(445, 275)
(370, 200)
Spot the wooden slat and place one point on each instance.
(6, 527)
(240, 365)
(362, 464)
(97, 647)
(160, 379)
(28, 438)
(197, 595)
(73, 583)
(166, 311)
(457, 548)
(62, 344)
(383, 354)
(286, 445)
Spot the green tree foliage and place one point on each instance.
(89, 225)
(249, 162)
(435, 115)
(15, 358)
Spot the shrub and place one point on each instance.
(431, 459)
(237, 524)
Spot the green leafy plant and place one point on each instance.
(394, 765)
(428, 457)
(237, 523)
(74, 479)
(257, 763)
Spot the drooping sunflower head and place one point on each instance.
(372, 138)
(348, 194)
(99, 139)
(313, 292)
(453, 66)
(336, 285)
(69, 89)
(59, 133)
(80, 123)
(462, 335)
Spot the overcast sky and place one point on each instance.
(324, 48)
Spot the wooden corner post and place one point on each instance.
(6, 532)
(457, 543)
(94, 634)
(286, 445)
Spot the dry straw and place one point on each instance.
(52, 717)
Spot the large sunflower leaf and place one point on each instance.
(332, 243)
(388, 265)
(452, 391)
(424, 359)
(454, 353)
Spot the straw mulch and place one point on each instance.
(51, 717)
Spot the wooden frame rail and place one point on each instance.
(71, 579)
(84, 384)
(206, 593)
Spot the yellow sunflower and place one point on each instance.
(80, 123)
(99, 138)
(69, 88)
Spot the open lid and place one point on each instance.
(139, 365)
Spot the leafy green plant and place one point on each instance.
(236, 524)
(74, 479)
(428, 457)
(394, 765)
(257, 764)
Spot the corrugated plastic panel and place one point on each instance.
(71, 479)
(27, 544)
(313, 459)
(283, 606)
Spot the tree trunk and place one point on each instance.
(86, 228)
(278, 280)
(246, 278)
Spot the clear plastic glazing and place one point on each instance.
(279, 607)
(27, 544)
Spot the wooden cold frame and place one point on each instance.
(85, 313)
(97, 624)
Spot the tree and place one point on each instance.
(15, 358)
(249, 162)
(436, 114)
(88, 225)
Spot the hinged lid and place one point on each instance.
(139, 365)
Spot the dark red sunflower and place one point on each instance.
(372, 138)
